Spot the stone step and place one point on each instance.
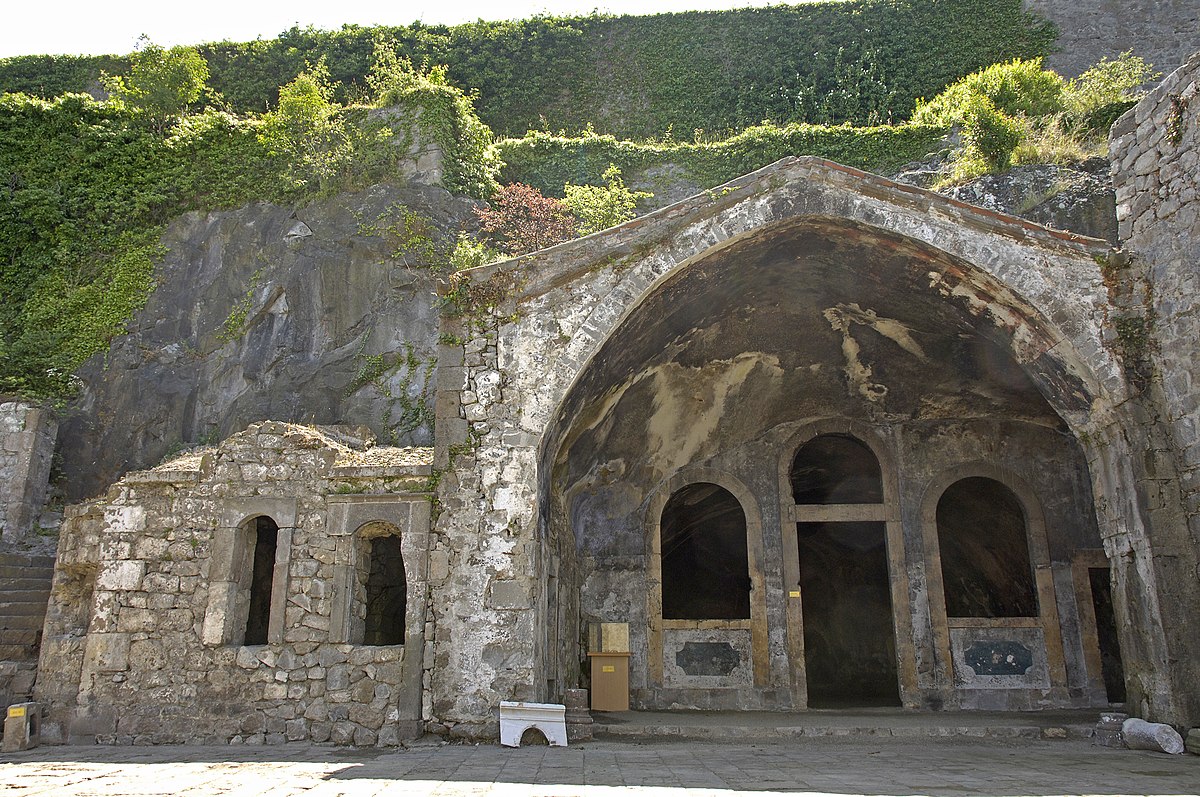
(18, 652)
(32, 596)
(21, 622)
(21, 609)
(25, 582)
(25, 571)
(19, 636)
(26, 560)
(732, 725)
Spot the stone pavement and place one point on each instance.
(835, 766)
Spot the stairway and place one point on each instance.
(24, 590)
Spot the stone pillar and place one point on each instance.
(27, 435)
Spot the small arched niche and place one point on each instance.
(382, 587)
(984, 546)
(836, 469)
(705, 564)
(262, 533)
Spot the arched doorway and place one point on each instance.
(843, 574)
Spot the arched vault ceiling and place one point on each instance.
(810, 319)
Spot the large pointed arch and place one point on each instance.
(553, 329)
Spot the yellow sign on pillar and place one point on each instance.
(16, 711)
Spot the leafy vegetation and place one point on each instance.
(1018, 112)
(598, 207)
(161, 84)
(522, 220)
(86, 187)
(548, 162)
(859, 61)
(306, 130)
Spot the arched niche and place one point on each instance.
(984, 549)
(717, 518)
(961, 641)
(379, 615)
(705, 564)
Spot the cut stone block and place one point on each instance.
(516, 718)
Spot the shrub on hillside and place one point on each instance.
(1018, 112)
(598, 207)
(522, 220)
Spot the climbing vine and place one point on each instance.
(548, 162)
(378, 370)
(859, 61)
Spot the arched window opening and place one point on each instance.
(258, 618)
(386, 593)
(984, 548)
(836, 469)
(705, 564)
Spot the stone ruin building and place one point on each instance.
(820, 438)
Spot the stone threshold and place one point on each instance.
(720, 725)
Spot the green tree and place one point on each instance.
(392, 76)
(989, 134)
(162, 83)
(308, 130)
(1096, 98)
(599, 207)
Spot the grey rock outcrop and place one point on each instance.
(1077, 198)
(324, 314)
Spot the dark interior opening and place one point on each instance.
(1111, 666)
(985, 551)
(266, 533)
(836, 469)
(705, 566)
(849, 641)
(387, 594)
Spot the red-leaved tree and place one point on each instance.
(522, 220)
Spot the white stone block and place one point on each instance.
(1142, 735)
(516, 718)
(125, 575)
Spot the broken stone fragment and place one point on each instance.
(298, 231)
(1142, 735)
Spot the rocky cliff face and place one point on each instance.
(325, 314)
(1078, 198)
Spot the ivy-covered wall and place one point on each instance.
(87, 187)
(860, 61)
(548, 161)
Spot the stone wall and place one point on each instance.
(27, 435)
(1155, 150)
(1164, 32)
(143, 640)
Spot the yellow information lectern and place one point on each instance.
(608, 652)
